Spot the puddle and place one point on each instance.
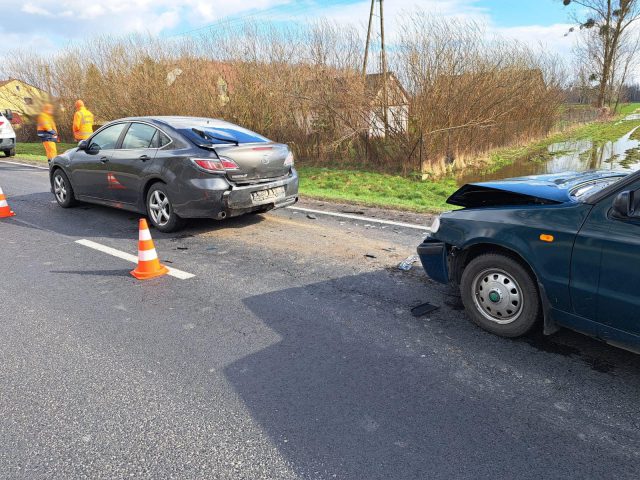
(580, 155)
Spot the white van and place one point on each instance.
(7, 135)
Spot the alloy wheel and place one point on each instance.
(60, 188)
(159, 208)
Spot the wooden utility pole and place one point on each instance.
(383, 58)
(383, 61)
(366, 47)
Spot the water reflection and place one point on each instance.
(579, 155)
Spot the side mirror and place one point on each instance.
(8, 115)
(82, 145)
(624, 205)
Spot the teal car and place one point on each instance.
(559, 250)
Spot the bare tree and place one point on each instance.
(607, 25)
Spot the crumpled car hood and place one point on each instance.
(532, 190)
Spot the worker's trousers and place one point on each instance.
(50, 149)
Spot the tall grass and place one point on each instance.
(302, 85)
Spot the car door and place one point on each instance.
(89, 166)
(127, 163)
(619, 286)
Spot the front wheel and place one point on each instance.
(160, 209)
(62, 189)
(500, 295)
(10, 153)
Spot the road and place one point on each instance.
(289, 354)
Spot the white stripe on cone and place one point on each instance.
(146, 255)
(144, 234)
(3, 203)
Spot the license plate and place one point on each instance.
(268, 194)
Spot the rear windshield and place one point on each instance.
(222, 135)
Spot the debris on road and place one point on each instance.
(370, 255)
(423, 309)
(182, 248)
(408, 262)
(311, 216)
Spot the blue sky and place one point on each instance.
(47, 26)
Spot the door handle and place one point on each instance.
(144, 158)
(104, 159)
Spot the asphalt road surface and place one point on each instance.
(289, 354)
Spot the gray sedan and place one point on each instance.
(173, 168)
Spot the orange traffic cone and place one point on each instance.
(148, 264)
(5, 211)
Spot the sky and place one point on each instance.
(48, 26)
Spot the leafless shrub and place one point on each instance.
(303, 85)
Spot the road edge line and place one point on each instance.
(24, 164)
(174, 272)
(360, 217)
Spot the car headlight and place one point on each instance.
(435, 225)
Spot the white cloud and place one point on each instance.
(35, 10)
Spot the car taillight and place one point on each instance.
(288, 162)
(228, 164)
(215, 164)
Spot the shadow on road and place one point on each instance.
(356, 390)
(88, 220)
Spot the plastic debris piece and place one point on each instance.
(311, 216)
(423, 309)
(408, 262)
(369, 255)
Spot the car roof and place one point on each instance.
(177, 121)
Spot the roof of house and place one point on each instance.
(374, 83)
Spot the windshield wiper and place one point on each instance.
(207, 135)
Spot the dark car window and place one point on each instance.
(222, 135)
(138, 136)
(107, 138)
(159, 140)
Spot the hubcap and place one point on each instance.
(59, 188)
(497, 296)
(159, 208)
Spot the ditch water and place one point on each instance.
(579, 155)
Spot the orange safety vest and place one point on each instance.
(82, 124)
(47, 130)
(46, 123)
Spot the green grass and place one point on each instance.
(375, 189)
(35, 151)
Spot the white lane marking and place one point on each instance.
(174, 272)
(25, 165)
(364, 219)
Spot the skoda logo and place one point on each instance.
(266, 158)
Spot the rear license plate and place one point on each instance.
(268, 194)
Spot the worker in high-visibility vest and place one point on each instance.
(47, 131)
(82, 122)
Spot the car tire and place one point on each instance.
(10, 153)
(160, 209)
(500, 295)
(62, 189)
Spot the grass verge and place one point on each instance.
(35, 150)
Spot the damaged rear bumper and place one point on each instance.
(433, 255)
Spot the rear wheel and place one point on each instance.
(62, 189)
(160, 209)
(500, 295)
(10, 153)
